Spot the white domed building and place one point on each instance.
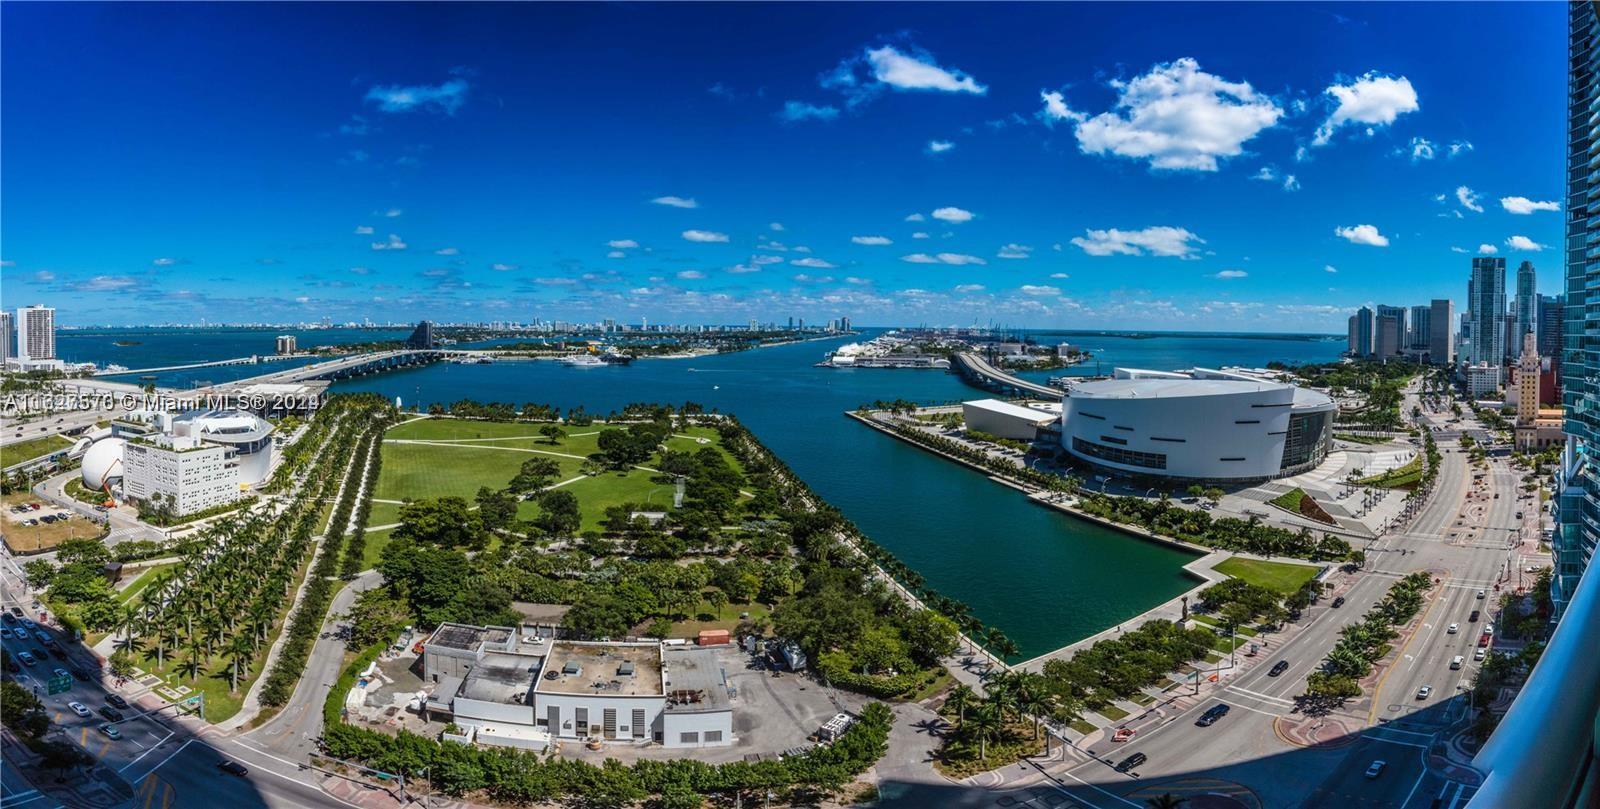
(248, 435)
(102, 464)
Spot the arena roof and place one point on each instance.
(1137, 384)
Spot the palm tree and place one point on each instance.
(961, 697)
(1165, 800)
(986, 725)
(1032, 697)
(241, 649)
(193, 663)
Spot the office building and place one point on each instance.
(422, 336)
(1199, 425)
(1441, 340)
(1550, 315)
(1483, 380)
(36, 333)
(8, 332)
(285, 345)
(1386, 339)
(1536, 428)
(187, 473)
(1419, 329)
(1525, 307)
(1399, 315)
(1486, 309)
(1365, 327)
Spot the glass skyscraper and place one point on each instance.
(1578, 516)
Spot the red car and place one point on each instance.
(1483, 640)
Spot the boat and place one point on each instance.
(611, 358)
(582, 361)
(475, 360)
(126, 343)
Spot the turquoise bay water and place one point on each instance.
(1044, 578)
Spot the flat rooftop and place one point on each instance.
(695, 680)
(1009, 409)
(456, 636)
(607, 669)
(501, 677)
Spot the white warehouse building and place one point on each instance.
(1201, 425)
(1006, 420)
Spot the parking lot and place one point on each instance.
(30, 524)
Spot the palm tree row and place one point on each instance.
(1009, 698)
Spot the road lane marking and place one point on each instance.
(147, 752)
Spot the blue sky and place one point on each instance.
(1199, 166)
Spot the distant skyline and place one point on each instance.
(1243, 167)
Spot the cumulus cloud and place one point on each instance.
(952, 215)
(393, 212)
(796, 111)
(813, 262)
(691, 275)
(616, 254)
(498, 267)
(1015, 251)
(1329, 268)
(102, 283)
(1524, 243)
(1229, 274)
(1523, 205)
(622, 244)
(1156, 241)
(41, 276)
(676, 202)
(1039, 291)
(940, 146)
(1486, 249)
(1373, 99)
(919, 235)
(1460, 147)
(777, 226)
(164, 262)
(446, 98)
(704, 236)
(1421, 149)
(364, 230)
(966, 288)
(871, 240)
(1176, 117)
(1059, 275)
(446, 251)
(904, 71)
(916, 217)
(360, 270)
(1362, 234)
(1468, 199)
(394, 243)
(956, 259)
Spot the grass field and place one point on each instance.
(1289, 500)
(462, 456)
(728, 619)
(1401, 477)
(32, 448)
(1283, 577)
(144, 579)
(1211, 621)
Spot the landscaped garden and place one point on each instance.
(1400, 477)
(1284, 577)
(1296, 501)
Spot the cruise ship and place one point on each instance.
(583, 361)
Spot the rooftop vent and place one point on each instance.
(571, 669)
(625, 670)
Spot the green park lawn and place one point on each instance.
(144, 580)
(1402, 477)
(469, 455)
(1283, 577)
(32, 448)
(1289, 500)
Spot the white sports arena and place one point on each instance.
(1202, 425)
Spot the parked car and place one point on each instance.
(6, 633)
(8, 617)
(117, 700)
(1479, 654)
(1483, 640)
(1211, 715)
(233, 768)
(1278, 668)
(1376, 768)
(1131, 761)
(1488, 628)
(80, 709)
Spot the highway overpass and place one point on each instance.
(978, 371)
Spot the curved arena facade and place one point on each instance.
(1200, 425)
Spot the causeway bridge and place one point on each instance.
(350, 367)
(978, 371)
(250, 360)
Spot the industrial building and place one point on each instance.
(1197, 425)
(530, 691)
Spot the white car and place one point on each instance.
(1454, 628)
(80, 709)
(1480, 595)
(1479, 653)
(1488, 629)
(1423, 692)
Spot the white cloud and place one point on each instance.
(1059, 275)
(1056, 109)
(1015, 251)
(676, 202)
(1265, 174)
(616, 254)
(622, 244)
(797, 111)
(777, 226)
(1373, 99)
(704, 236)
(1290, 183)
(952, 215)
(1228, 274)
(1329, 268)
(1157, 241)
(394, 243)
(1460, 147)
(916, 217)
(498, 267)
(966, 288)
(919, 235)
(393, 212)
(1039, 291)
(957, 259)
(1468, 199)
(1486, 249)
(446, 98)
(800, 248)
(41, 276)
(363, 230)
(691, 275)
(164, 262)
(1421, 149)
(871, 240)
(740, 269)
(939, 146)
(446, 251)
(820, 279)
(1177, 117)
(1457, 249)
(360, 270)
(1363, 234)
(760, 260)
(813, 262)
(857, 280)
(906, 72)
(1524, 243)
(1523, 205)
